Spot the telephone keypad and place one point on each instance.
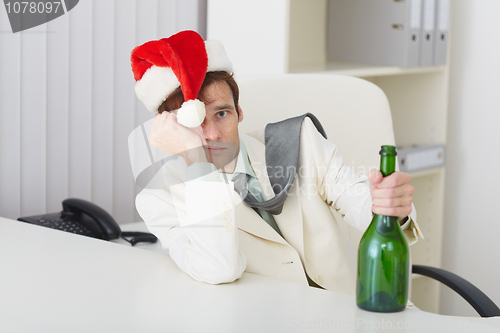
(56, 221)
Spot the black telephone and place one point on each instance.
(85, 218)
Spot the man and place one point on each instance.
(196, 213)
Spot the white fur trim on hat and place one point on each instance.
(217, 57)
(192, 113)
(155, 86)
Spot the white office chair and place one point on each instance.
(357, 118)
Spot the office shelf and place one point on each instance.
(362, 70)
(296, 32)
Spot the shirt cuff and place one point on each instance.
(404, 223)
(411, 228)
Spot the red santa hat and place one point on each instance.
(161, 66)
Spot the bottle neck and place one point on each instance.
(387, 167)
(387, 164)
(385, 224)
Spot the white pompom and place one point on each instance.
(192, 113)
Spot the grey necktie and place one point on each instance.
(282, 159)
(249, 189)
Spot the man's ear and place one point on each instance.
(240, 113)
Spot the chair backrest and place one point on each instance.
(355, 113)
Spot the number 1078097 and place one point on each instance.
(33, 7)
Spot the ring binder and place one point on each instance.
(382, 32)
(428, 32)
(418, 158)
(442, 27)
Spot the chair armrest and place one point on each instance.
(479, 301)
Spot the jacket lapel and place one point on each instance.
(257, 154)
(249, 221)
(289, 221)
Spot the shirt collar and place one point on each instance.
(243, 163)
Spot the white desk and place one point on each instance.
(52, 281)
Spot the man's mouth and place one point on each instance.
(215, 149)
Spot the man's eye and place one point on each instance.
(221, 114)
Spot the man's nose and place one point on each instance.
(210, 130)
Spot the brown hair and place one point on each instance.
(175, 100)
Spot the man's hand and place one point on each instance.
(391, 195)
(173, 138)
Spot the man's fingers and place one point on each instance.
(375, 177)
(392, 211)
(170, 117)
(392, 195)
(394, 180)
(401, 191)
(159, 120)
(393, 202)
(199, 131)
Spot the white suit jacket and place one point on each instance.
(214, 237)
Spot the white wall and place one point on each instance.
(67, 103)
(471, 228)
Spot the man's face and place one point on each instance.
(220, 126)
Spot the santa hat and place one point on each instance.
(161, 66)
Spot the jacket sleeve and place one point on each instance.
(340, 187)
(195, 221)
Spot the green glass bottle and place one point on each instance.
(383, 257)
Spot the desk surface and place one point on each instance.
(53, 281)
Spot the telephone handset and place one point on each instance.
(85, 218)
(77, 209)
